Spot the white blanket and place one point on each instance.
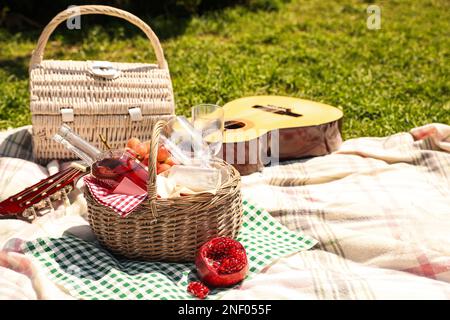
(380, 208)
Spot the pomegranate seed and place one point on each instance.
(198, 289)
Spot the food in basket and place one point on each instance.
(221, 262)
(161, 167)
(170, 161)
(142, 151)
(163, 154)
(197, 179)
(133, 143)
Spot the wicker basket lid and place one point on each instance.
(74, 84)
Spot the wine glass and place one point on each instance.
(183, 141)
(208, 120)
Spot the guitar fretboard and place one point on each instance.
(44, 191)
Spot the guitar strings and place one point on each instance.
(71, 174)
(38, 185)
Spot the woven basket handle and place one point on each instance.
(38, 53)
(152, 160)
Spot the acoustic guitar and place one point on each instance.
(263, 130)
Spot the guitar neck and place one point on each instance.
(44, 190)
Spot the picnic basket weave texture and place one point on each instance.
(172, 229)
(118, 100)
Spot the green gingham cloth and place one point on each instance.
(87, 271)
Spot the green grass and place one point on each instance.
(385, 81)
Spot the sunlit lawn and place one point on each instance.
(385, 80)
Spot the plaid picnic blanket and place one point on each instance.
(379, 207)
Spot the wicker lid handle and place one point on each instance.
(38, 53)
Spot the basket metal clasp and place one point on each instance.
(104, 69)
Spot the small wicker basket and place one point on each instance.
(169, 229)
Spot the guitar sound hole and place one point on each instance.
(230, 125)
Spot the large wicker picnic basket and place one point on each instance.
(118, 100)
(169, 229)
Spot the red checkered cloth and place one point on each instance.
(120, 203)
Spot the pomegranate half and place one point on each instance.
(221, 262)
